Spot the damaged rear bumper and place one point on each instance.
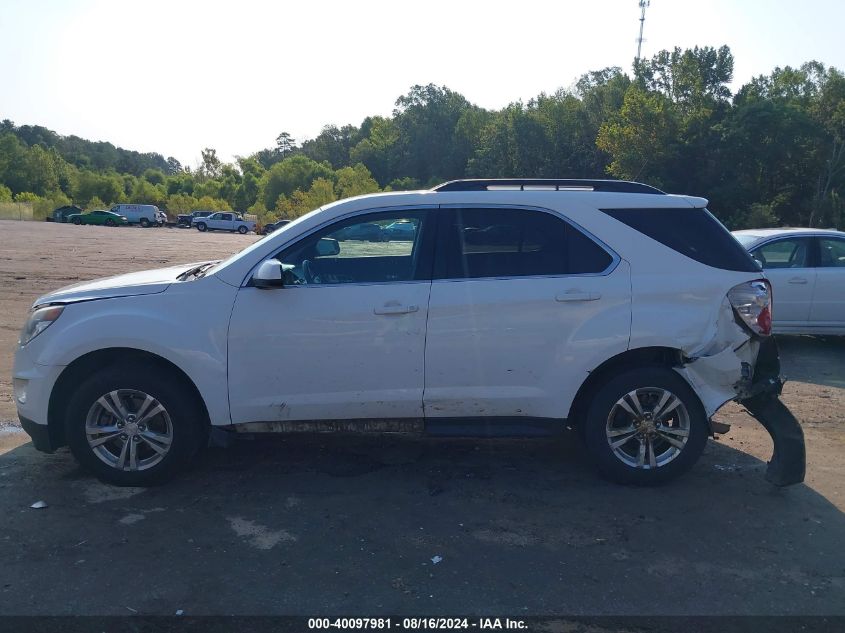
(745, 368)
(761, 399)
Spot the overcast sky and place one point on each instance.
(178, 75)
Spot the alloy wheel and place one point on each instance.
(648, 427)
(129, 430)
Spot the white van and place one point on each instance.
(143, 214)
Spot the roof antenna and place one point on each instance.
(643, 5)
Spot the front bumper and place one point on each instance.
(40, 434)
(33, 384)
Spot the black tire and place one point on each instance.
(202, 227)
(110, 222)
(76, 221)
(145, 222)
(185, 414)
(605, 398)
(242, 230)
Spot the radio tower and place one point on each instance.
(643, 5)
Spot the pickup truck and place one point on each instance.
(186, 219)
(224, 221)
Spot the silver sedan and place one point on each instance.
(807, 270)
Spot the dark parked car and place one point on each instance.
(61, 214)
(99, 216)
(269, 228)
(185, 219)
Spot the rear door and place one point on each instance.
(828, 308)
(522, 303)
(788, 266)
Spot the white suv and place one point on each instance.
(505, 307)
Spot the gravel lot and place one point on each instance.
(349, 525)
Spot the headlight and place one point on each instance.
(39, 320)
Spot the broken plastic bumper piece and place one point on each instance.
(762, 400)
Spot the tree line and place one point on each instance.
(771, 154)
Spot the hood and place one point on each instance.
(145, 282)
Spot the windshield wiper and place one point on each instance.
(197, 271)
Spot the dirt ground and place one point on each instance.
(341, 525)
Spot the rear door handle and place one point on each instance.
(798, 280)
(577, 296)
(395, 309)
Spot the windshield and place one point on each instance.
(746, 239)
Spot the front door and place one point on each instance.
(787, 265)
(345, 338)
(523, 305)
(220, 221)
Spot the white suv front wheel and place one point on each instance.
(133, 425)
(645, 426)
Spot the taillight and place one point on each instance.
(752, 301)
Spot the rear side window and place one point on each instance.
(477, 243)
(695, 233)
(831, 252)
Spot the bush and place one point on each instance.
(96, 203)
(761, 216)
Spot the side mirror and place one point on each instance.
(327, 247)
(269, 275)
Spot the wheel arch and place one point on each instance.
(87, 363)
(640, 357)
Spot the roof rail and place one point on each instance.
(554, 184)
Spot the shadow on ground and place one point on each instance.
(352, 525)
(817, 360)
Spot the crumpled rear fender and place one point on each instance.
(737, 365)
(719, 369)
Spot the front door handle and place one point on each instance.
(395, 309)
(798, 280)
(573, 295)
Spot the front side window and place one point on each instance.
(364, 249)
(831, 253)
(478, 243)
(786, 253)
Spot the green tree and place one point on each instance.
(96, 203)
(107, 187)
(285, 177)
(642, 138)
(332, 145)
(378, 148)
(285, 144)
(210, 164)
(146, 193)
(320, 192)
(354, 181)
(153, 176)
